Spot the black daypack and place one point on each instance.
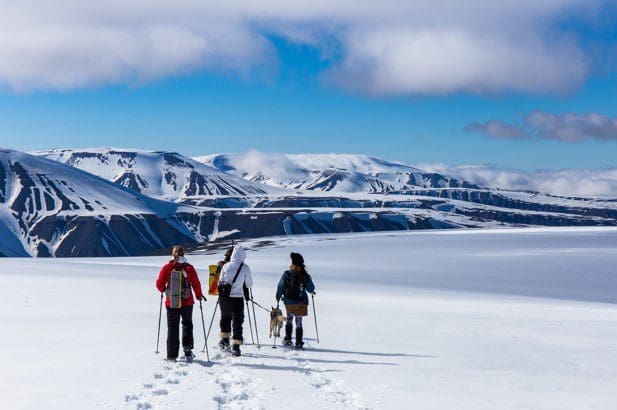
(293, 286)
(224, 288)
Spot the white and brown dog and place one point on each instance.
(276, 321)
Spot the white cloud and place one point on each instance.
(497, 129)
(573, 126)
(412, 60)
(568, 127)
(253, 163)
(568, 182)
(391, 47)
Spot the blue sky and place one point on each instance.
(317, 89)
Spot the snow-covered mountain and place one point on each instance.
(337, 173)
(163, 175)
(49, 208)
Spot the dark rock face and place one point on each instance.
(120, 235)
(131, 181)
(173, 158)
(74, 159)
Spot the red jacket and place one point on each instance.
(165, 274)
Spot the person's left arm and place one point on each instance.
(195, 283)
(248, 277)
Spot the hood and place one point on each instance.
(238, 254)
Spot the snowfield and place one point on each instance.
(519, 318)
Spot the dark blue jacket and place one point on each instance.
(308, 287)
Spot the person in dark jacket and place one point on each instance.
(292, 288)
(178, 279)
(232, 307)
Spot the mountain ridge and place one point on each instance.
(51, 208)
(161, 174)
(339, 173)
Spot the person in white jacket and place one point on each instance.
(232, 307)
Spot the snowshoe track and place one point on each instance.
(233, 383)
(239, 390)
(153, 392)
(326, 387)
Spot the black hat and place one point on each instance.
(297, 259)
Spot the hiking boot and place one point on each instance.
(287, 339)
(299, 342)
(188, 353)
(235, 350)
(224, 343)
(171, 359)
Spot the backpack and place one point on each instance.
(293, 286)
(179, 288)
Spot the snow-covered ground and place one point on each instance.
(521, 318)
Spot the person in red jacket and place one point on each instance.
(178, 279)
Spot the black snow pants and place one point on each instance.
(173, 324)
(232, 310)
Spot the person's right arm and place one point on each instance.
(310, 286)
(279, 288)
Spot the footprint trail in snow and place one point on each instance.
(238, 384)
(327, 387)
(154, 392)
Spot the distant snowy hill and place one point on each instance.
(48, 208)
(164, 175)
(338, 173)
(53, 204)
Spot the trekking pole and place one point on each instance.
(274, 345)
(254, 320)
(248, 312)
(211, 321)
(203, 325)
(315, 316)
(158, 333)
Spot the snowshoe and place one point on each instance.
(299, 342)
(224, 344)
(236, 351)
(188, 355)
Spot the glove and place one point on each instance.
(247, 296)
(201, 298)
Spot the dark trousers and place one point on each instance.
(173, 324)
(232, 311)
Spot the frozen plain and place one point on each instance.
(517, 318)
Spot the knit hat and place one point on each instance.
(297, 259)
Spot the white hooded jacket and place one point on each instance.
(229, 271)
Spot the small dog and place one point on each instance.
(276, 321)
